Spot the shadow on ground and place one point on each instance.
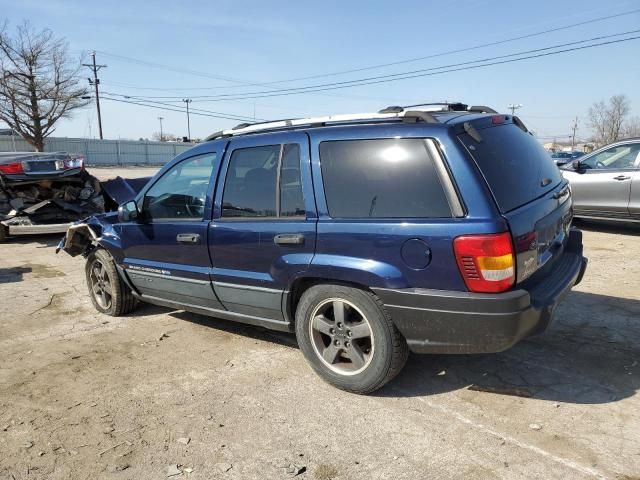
(13, 274)
(621, 228)
(589, 355)
(249, 331)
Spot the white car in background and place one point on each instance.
(606, 183)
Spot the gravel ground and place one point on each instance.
(86, 396)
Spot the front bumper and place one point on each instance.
(438, 321)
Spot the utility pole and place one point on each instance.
(95, 82)
(161, 135)
(514, 107)
(188, 101)
(574, 127)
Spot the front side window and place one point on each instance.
(614, 158)
(263, 182)
(392, 178)
(181, 192)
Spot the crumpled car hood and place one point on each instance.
(121, 190)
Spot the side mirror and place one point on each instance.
(128, 212)
(577, 165)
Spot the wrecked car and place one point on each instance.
(46, 192)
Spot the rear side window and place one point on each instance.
(516, 167)
(388, 178)
(250, 186)
(264, 182)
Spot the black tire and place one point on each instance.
(387, 347)
(108, 293)
(4, 233)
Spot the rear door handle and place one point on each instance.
(621, 177)
(188, 238)
(289, 239)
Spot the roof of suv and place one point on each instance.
(430, 113)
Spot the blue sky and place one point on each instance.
(253, 42)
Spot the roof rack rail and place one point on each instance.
(276, 125)
(481, 109)
(441, 106)
(406, 114)
(448, 106)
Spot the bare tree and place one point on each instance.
(39, 83)
(607, 120)
(631, 128)
(166, 137)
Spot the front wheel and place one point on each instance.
(348, 338)
(109, 294)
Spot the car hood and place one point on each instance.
(121, 190)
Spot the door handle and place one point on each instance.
(289, 239)
(188, 238)
(621, 177)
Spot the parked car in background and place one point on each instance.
(560, 158)
(435, 229)
(606, 182)
(576, 154)
(45, 192)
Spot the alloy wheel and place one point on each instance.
(341, 336)
(101, 287)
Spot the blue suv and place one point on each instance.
(432, 228)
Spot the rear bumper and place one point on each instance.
(437, 321)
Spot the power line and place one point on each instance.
(173, 109)
(460, 50)
(96, 81)
(188, 101)
(161, 133)
(225, 115)
(490, 61)
(513, 107)
(241, 82)
(574, 127)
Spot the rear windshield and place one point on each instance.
(516, 167)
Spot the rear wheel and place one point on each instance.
(109, 294)
(348, 338)
(4, 233)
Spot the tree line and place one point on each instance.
(610, 121)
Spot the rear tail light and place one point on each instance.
(486, 262)
(12, 168)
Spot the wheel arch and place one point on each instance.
(304, 283)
